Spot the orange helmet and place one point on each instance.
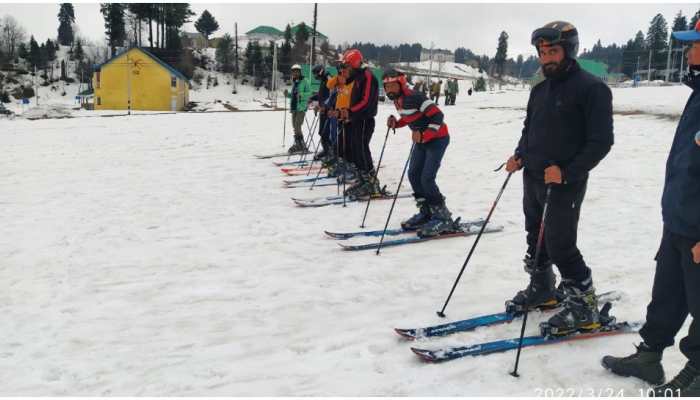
(352, 58)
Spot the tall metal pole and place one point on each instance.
(668, 59)
(235, 65)
(313, 37)
(128, 79)
(649, 67)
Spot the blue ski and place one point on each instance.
(498, 346)
(470, 324)
(473, 230)
(391, 232)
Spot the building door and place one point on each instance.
(173, 103)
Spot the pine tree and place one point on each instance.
(206, 24)
(501, 53)
(34, 53)
(285, 60)
(115, 30)
(50, 50)
(78, 53)
(300, 48)
(66, 18)
(656, 42)
(22, 51)
(694, 21)
(680, 23)
(224, 53)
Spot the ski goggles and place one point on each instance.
(548, 36)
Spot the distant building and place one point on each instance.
(439, 55)
(194, 40)
(138, 77)
(264, 33)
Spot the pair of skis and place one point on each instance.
(330, 200)
(462, 228)
(609, 326)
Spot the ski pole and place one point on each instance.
(337, 154)
(325, 123)
(441, 313)
(310, 138)
(396, 195)
(538, 249)
(284, 123)
(376, 172)
(345, 175)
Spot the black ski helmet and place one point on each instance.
(558, 32)
(318, 70)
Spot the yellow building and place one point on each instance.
(138, 80)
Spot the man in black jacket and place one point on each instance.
(567, 131)
(364, 99)
(676, 291)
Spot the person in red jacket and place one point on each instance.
(431, 138)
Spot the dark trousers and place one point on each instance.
(324, 131)
(425, 163)
(345, 141)
(362, 131)
(561, 227)
(676, 293)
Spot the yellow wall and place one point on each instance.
(149, 81)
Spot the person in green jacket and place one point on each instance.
(301, 91)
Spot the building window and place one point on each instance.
(99, 101)
(97, 79)
(173, 82)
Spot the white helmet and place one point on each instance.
(296, 66)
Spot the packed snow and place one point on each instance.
(154, 255)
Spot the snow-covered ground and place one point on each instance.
(153, 255)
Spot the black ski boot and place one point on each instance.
(645, 364)
(440, 222)
(299, 146)
(418, 219)
(368, 187)
(580, 311)
(539, 293)
(357, 187)
(685, 384)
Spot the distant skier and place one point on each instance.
(363, 107)
(299, 99)
(430, 135)
(567, 131)
(676, 290)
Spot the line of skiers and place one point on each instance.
(568, 130)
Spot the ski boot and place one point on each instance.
(419, 219)
(644, 364)
(539, 293)
(368, 186)
(299, 146)
(357, 187)
(685, 384)
(580, 311)
(440, 222)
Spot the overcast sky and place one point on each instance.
(474, 26)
